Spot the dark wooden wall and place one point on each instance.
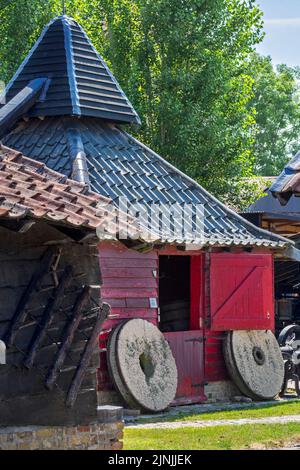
(49, 306)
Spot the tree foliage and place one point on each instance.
(185, 65)
(277, 114)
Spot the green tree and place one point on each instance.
(187, 79)
(276, 102)
(181, 62)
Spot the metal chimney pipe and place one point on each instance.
(76, 148)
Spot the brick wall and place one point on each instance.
(100, 436)
(223, 390)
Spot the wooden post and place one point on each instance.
(47, 317)
(68, 337)
(86, 357)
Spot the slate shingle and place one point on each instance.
(113, 172)
(30, 189)
(80, 83)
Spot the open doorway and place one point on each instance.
(174, 293)
(287, 293)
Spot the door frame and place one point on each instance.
(197, 314)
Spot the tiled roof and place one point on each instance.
(288, 182)
(29, 189)
(79, 81)
(121, 166)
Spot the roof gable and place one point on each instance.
(79, 81)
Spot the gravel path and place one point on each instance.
(216, 422)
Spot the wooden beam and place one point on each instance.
(48, 314)
(20, 313)
(291, 253)
(86, 357)
(20, 104)
(68, 337)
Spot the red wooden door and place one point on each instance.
(241, 291)
(188, 351)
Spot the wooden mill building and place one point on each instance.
(65, 109)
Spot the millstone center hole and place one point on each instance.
(259, 356)
(147, 365)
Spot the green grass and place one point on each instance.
(263, 411)
(212, 438)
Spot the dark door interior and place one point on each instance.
(174, 293)
(179, 303)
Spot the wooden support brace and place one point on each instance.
(20, 313)
(48, 314)
(86, 357)
(68, 336)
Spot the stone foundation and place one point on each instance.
(224, 390)
(101, 436)
(109, 397)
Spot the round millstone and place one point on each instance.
(255, 363)
(143, 365)
(231, 367)
(114, 370)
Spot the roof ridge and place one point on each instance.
(70, 67)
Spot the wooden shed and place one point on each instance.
(194, 283)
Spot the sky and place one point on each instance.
(282, 28)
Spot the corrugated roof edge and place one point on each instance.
(282, 242)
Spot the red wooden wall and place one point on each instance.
(128, 283)
(130, 280)
(242, 296)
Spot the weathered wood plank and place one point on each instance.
(127, 273)
(20, 312)
(86, 357)
(139, 303)
(131, 283)
(128, 293)
(20, 381)
(117, 250)
(127, 262)
(116, 303)
(49, 409)
(68, 337)
(46, 354)
(47, 317)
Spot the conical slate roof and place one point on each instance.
(79, 81)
